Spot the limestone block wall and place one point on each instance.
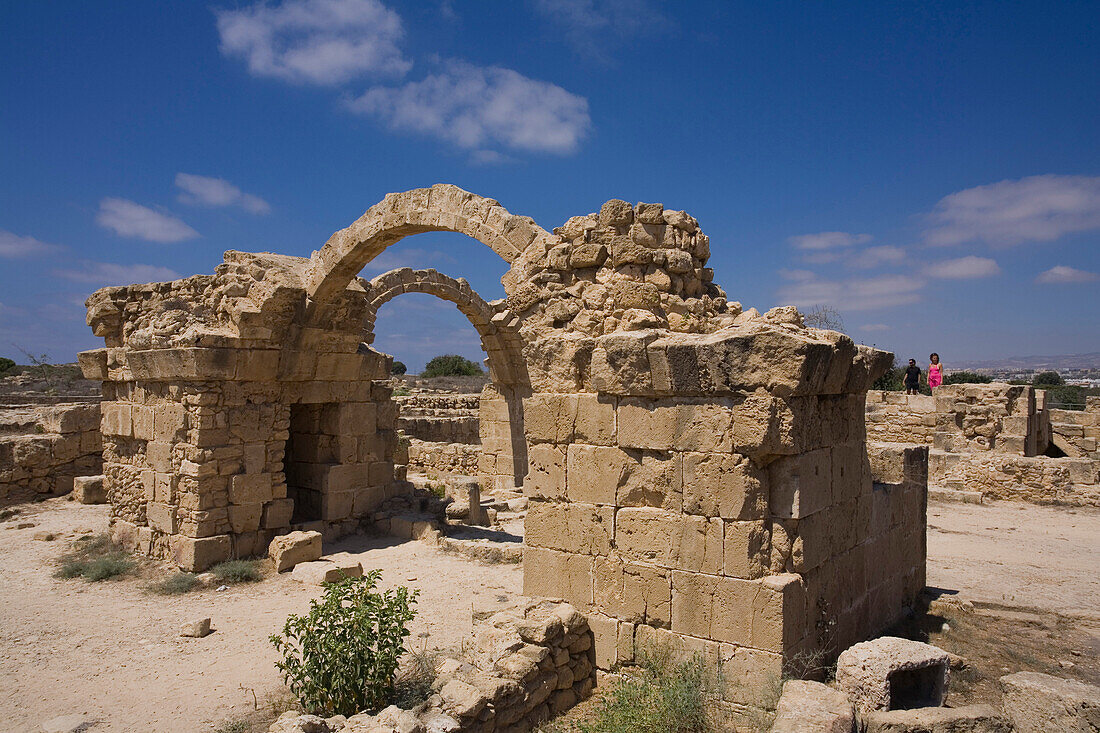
(200, 471)
(42, 449)
(1040, 480)
(439, 418)
(987, 417)
(735, 518)
(895, 417)
(1077, 432)
(458, 458)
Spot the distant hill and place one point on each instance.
(1063, 361)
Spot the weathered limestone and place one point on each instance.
(43, 449)
(811, 707)
(89, 490)
(696, 474)
(1038, 702)
(1077, 432)
(330, 569)
(967, 719)
(987, 440)
(293, 548)
(889, 673)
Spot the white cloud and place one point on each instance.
(13, 246)
(854, 294)
(797, 275)
(1033, 209)
(322, 42)
(477, 108)
(107, 273)
(874, 327)
(963, 268)
(1061, 274)
(134, 220)
(206, 191)
(589, 25)
(875, 256)
(827, 240)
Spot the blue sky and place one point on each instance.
(930, 170)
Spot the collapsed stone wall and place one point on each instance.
(526, 664)
(987, 440)
(43, 448)
(1077, 432)
(439, 418)
(694, 468)
(444, 458)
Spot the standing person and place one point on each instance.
(935, 371)
(912, 378)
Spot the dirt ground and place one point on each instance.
(110, 651)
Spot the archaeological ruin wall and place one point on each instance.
(42, 449)
(989, 440)
(696, 472)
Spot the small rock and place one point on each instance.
(206, 579)
(319, 572)
(222, 587)
(196, 629)
(45, 536)
(1066, 664)
(24, 525)
(66, 724)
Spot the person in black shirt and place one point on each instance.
(912, 378)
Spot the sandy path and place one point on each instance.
(111, 651)
(1017, 555)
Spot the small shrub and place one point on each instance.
(175, 584)
(5, 364)
(450, 365)
(414, 684)
(398, 368)
(657, 696)
(94, 557)
(234, 726)
(237, 571)
(341, 658)
(401, 392)
(438, 490)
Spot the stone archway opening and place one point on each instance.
(502, 464)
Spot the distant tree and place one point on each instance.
(823, 316)
(450, 365)
(398, 368)
(5, 364)
(966, 378)
(1048, 379)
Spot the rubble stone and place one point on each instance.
(889, 673)
(1040, 702)
(811, 707)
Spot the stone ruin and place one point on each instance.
(696, 473)
(995, 440)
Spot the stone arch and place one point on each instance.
(442, 207)
(499, 339)
(504, 446)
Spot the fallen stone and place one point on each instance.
(89, 490)
(292, 722)
(968, 719)
(811, 707)
(889, 673)
(319, 572)
(44, 536)
(289, 549)
(66, 724)
(196, 629)
(1038, 702)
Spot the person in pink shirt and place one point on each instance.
(935, 371)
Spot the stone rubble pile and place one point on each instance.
(527, 663)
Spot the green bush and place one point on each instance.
(401, 392)
(5, 365)
(94, 557)
(341, 657)
(175, 584)
(1048, 379)
(966, 378)
(398, 368)
(657, 696)
(893, 380)
(237, 571)
(1066, 397)
(450, 365)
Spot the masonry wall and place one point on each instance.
(746, 526)
(197, 471)
(1077, 432)
(43, 454)
(1039, 480)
